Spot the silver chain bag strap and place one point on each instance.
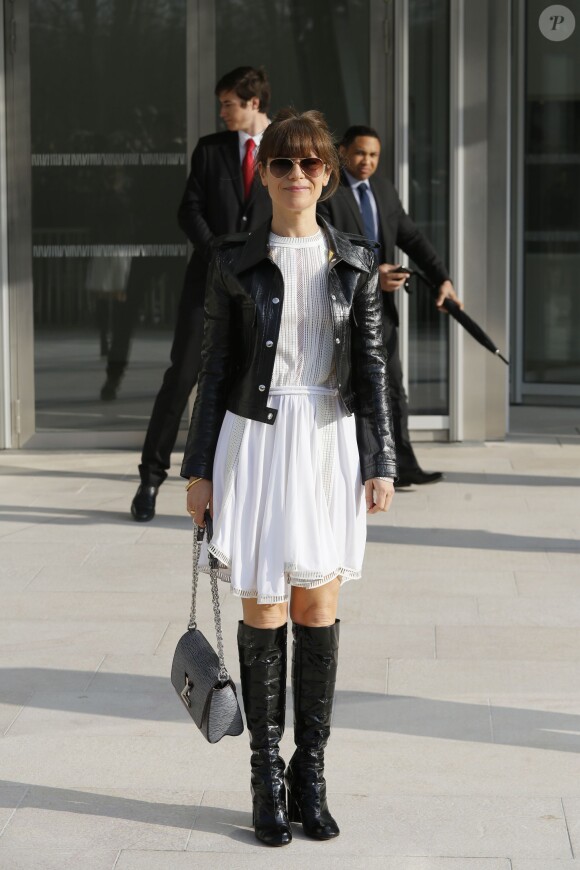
(198, 673)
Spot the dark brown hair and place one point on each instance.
(246, 82)
(297, 134)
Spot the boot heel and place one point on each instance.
(293, 809)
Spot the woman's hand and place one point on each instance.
(199, 496)
(379, 494)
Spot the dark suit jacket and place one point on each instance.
(396, 228)
(213, 204)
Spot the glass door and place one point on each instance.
(549, 284)
(316, 52)
(109, 157)
(427, 363)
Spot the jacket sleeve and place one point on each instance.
(412, 241)
(192, 210)
(214, 379)
(374, 424)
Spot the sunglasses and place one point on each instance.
(313, 167)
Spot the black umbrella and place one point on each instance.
(452, 308)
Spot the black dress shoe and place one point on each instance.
(417, 476)
(143, 505)
(109, 390)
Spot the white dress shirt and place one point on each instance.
(243, 138)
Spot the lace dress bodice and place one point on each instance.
(304, 356)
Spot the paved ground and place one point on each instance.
(456, 737)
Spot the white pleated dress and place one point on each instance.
(289, 507)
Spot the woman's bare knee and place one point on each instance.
(264, 615)
(315, 607)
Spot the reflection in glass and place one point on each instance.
(316, 52)
(108, 169)
(551, 206)
(428, 364)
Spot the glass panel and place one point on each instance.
(109, 162)
(316, 52)
(552, 201)
(428, 363)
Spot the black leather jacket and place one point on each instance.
(244, 299)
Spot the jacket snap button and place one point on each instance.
(334, 297)
(269, 344)
(275, 300)
(270, 416)
(337, 340)
(261, 388)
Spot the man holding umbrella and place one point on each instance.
(370, 206)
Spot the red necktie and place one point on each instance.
(248, 166)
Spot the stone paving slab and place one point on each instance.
(558, 584)
(443, 678)
(548, 723)
(404, 826)
(531, 611)
(405, 610)
(26, 858)
(544, 865)
(35, 636)
(286, 860)
(11, 796)
(507, 643)
(418, 763)
(97, 605)
(57, 818)
(384, 580)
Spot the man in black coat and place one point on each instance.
(369, 205)
(223, 195)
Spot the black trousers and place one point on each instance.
(406, 459)
(178, 382)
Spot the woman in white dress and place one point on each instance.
(291, 444)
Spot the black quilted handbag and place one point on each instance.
(198, 673)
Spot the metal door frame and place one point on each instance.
(5, 367)
(17, 338)
(438, 424)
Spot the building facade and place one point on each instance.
(102, 101)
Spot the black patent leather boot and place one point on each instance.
(314, 666)
(263, 677)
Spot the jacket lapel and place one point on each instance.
(351, 202)
(231, 154)
(341, 248)
(255, 249)
(380, 200)
(256, 184)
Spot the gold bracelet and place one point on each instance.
(192, 483)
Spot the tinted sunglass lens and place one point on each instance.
(312, 166)
(280, 166)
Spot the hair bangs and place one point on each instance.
(301, 134)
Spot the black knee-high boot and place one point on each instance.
(263, 676)
(314, 666)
